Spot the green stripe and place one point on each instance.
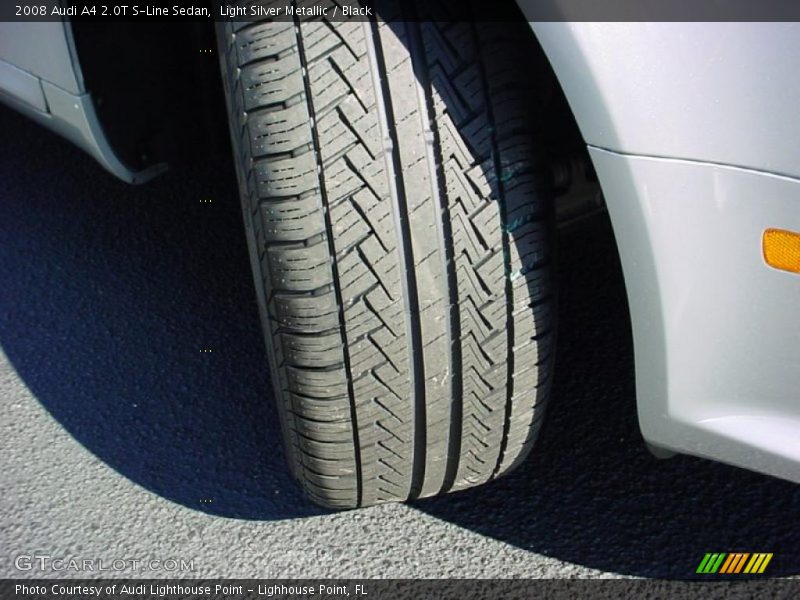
(702, 567)
(718, 564)
(711, 562)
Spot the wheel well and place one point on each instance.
(157, 94)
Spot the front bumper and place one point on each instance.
(716, 330)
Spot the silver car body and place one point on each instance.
(40, 75)
(693, 131)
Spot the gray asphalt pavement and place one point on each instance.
(120, 439)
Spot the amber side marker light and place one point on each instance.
(782, 249)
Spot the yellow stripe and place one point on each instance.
(727, 563)
(759, 558)
(765, 563)
(751, 564)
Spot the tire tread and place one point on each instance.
(409, 334)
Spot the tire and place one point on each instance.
(398, 215)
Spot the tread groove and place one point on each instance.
(410, 297)
(497, 167)
(332, 249)
(439, 193)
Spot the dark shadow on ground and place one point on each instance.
(591, 493)
(108, 296)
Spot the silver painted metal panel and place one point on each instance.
(41, 56)
(42, 49)
(717, 92)
(21, 86)
(715, 329)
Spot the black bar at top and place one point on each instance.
(441, 10)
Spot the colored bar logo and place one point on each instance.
(734, 563)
